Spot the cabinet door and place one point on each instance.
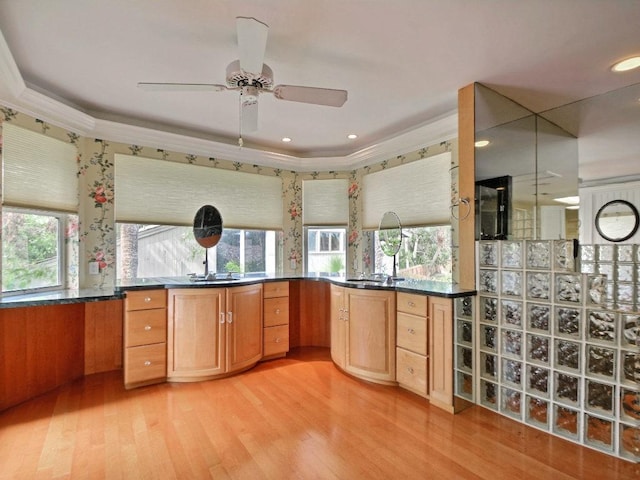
(441, 352)
(371, 334)
(244, 326)
(338, 326)
(195, 333)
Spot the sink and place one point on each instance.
(365, 280)
(200, 278)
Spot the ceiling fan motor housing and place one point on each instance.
(238, 78)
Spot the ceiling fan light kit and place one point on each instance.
(251, 76)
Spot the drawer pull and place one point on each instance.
(277, 340)
(410, 370)
(147, 299)
(147, 327)
(147, 363)
(411, 304)
(411, 331)
(277, 311)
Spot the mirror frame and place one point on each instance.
(207, 226)
(631, 233)
(383, 227)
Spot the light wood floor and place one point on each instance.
(292, 418)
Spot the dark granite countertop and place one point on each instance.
(59, 297)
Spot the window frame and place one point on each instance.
(319, 229)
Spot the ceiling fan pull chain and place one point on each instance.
(240, 142)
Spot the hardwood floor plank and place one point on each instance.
(296, 417)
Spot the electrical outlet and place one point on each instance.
(94, 268)
(292, 263)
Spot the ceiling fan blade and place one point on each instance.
(249, 116)
(318, 96)
(181, 87)
(252, 43)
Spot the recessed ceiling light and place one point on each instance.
(482, 143)
(628, 64)
(286, 139)
(575, 200)
(352, 136)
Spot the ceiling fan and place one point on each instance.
(251, 76)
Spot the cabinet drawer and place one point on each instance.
(143, 327)
(276, 311)
(410, 303)
(412, 333)
(276, 340)
(145, 299)
(411, 371)
(145, 363)
(276, 289)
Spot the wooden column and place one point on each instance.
(466, 181)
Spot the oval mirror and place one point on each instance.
(617, 220)
(207, 226)
(390, 234)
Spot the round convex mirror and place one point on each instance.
(207, 226)
(617, 220)
(390, 234)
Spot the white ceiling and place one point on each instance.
(401, 61)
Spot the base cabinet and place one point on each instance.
(213, 331)
(363, 327)
(441, 352)
(412, 360)
(276, 319)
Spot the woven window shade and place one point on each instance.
(160, 192)
(325, 202)
(38, 171)
(419, 192)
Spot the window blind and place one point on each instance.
(419, 192)
(325, 202)
(167, 193)
(38, 171)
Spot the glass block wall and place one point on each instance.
(557, 341)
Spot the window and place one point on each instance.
(325, 250)
(32, 250)
(425, 254)
(168, 251)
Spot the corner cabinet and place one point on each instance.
(213, 331)
(363, 333)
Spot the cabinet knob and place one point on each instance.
(147, 363)
(277, 340)
(411, 331)
(411, 304)
(277, 311)
(147, 327)
(410, 370)
(147, 299)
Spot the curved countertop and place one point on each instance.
(421, 287)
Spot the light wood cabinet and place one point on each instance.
(145, 337)
(412, 347)
(213, 331)
(363, 333)
(441, 352)
(276, 319)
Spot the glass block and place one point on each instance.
(630, 442)
(630, 370)
(538, 253)
(568, 287)
(630, 326)
(630, 404)
(464, 386)
(625, 293)
(567, 389)
(489, 394)
(488, 309)
(601, 361)
(595, 288)
(568, 322)
(511, 254)
(566, 422)
(489, 338)
(465, 359)
(588, 267)
(601, 326)
(605, 269)
(511, 402)
(512, 343)
(511, 313)
(511, 372)
(488, 253)
(488, 281)
(538, 348)
(599, 397)
(624, 252)
(489, 365)
(599, 432)
(625, 272)
(511, 283)
(625, 307)
(587, 253)
(539, 316)
(563, 259)
(465, 332)
(464, 307)
(538, 380)
(567, 355)
(606, 253)
(538, 286)
(537, 412)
